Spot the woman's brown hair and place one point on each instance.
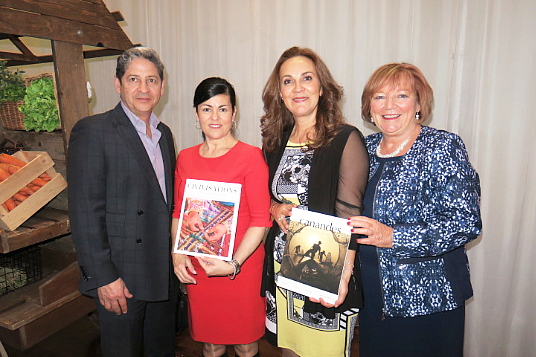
(398, 74)
(278, 118)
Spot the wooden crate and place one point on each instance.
(37, 163)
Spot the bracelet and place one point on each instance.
(236, 267)
(350, 269)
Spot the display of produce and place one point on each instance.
(10, 165)
(28, 181)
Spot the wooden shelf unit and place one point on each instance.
(46, 224)
(30, 314)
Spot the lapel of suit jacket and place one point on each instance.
(165, 147)
(131, 137)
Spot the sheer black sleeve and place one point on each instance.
(353, 177)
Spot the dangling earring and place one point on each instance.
(197, 125)
(371, 119)
(234, 124)
(418, 116)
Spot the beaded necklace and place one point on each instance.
(394, 153)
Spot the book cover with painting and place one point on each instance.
(314, 254)
(209, 214)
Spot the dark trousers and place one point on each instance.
(147, 329)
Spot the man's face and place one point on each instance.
(140, 88)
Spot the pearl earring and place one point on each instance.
(371, 119)
(418, 116)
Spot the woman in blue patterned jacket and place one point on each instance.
(421, 209)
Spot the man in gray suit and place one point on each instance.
(120, 170)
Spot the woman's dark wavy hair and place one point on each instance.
(278, 118)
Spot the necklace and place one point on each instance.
(394, 153)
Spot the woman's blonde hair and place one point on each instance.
(398, 74)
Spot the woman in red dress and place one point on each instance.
(225, 306)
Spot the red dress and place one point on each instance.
(224, 311)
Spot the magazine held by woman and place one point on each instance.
(314, 254)
(209, 214)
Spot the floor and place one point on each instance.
(81, 339)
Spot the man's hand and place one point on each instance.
(114, 296)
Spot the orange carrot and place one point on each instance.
(10, 204)
(39, 182)
(4, 174)
(12, 169)
(4, 166)
(8, 159)
(44, 176)
(5, 206)
(26, 191)
(17, 196)
(33, 187)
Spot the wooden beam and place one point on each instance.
(20, 45)
(25, 55)
(48, 58)
(24, 23)
(83, 11)
(102, 53)
(71, 85)
(118, 16)
(18, 57)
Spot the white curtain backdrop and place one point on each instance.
(478, 55)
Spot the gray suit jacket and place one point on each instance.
(120, 221)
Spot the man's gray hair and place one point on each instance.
(126, 58)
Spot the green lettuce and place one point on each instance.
(40, 108)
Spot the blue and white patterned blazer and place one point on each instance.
(431, 198)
